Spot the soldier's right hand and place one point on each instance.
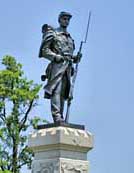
(58, 58)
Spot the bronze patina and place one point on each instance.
(58, 47)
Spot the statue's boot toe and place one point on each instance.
(58, 119)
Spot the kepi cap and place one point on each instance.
(63, 13)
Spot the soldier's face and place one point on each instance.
(64, 21)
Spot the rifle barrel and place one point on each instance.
(75, 73)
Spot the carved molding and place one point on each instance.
(55, 130)
(46, 139)
(60, 166)
(45, 167)
(74, 167)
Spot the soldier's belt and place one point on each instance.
(67, 54)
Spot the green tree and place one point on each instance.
(6, 171)
(18, 96)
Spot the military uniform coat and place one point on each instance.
(56, 42)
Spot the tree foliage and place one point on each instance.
(18, 96)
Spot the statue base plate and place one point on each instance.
(62, 124)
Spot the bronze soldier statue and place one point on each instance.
(58, 46)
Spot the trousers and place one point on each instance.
(58, 99)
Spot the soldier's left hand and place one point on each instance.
(79, 55)
(77, 58)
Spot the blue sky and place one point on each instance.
(104, 91)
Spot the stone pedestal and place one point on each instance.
(60, 149)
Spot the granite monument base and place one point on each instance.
(60, 149)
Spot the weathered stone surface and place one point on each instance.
(60, 150)
(46, 166)
(61, 137)
(73, 166)
(60, 166)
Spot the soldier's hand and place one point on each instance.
(77, 58)
(58, 58)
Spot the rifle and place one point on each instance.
(75, 73)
